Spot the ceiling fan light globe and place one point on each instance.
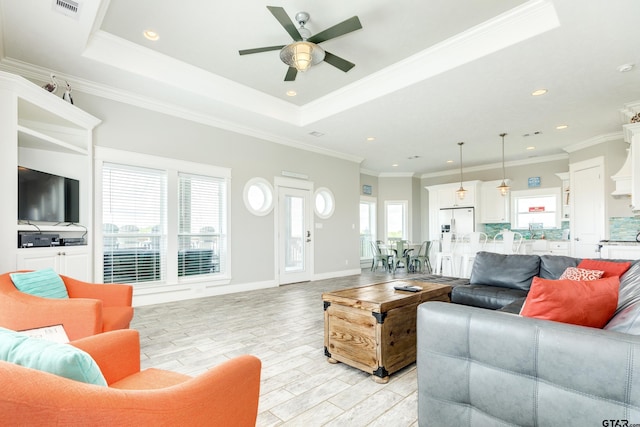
(302, 55)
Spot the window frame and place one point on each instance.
(535, 193)
(172, 167)
(405, 219)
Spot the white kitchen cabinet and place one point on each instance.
(620, 252)
(72, 261)
(558, 247)
(494, 207)
(447, 197)
(632, 135)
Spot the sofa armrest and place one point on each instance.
(111, 295)
(483, 365)
(226, 395)
(79, 317)
(117, 353)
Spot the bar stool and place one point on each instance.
(477, 241)
(447, 249)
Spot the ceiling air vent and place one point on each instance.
(67, 7)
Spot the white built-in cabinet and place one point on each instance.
(632, 134)
(39, 130)
(72, 261)
(494, 207)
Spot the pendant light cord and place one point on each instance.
(503, 173)
(460, 144)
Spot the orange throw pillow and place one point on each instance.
(579, 302)
(610, 268)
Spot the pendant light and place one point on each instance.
(503, 188)
(461, 192)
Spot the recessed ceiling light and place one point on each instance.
(151, 35)
(316, 133)
(561, 127)
(539, 92)
(625, 67)
(291, 93)
(413, 157)
(395, 165)
(531, 148)
(371, 138)
(449, 161)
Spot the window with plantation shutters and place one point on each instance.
(134, 212)
(201, 224)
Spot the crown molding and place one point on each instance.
(614, 136)
(491, 166)
(33, 72)
(369, 172)
(397, 175)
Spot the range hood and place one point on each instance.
(623, 178)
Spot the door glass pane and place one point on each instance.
(367, 228)
(294, 238)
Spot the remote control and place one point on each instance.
(408, 288)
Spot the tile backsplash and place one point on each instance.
(623, 228)
(549, 233)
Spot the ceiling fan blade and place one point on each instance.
(338, 62)
(260, 49)
(285, 21)
(292, 72)
(337, 30)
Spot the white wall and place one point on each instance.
(336, 250)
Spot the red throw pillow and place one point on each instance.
(580, 302)
(610, 268)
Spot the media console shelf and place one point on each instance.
(41, 131)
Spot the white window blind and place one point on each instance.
(202, 225)
(134, 223)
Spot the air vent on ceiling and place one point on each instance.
(67, 7)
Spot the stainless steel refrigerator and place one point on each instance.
(459, 221)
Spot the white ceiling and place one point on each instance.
(428, 73)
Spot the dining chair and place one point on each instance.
(476, 242)
(511, 241)
(377, 257)
(421, 260)
(447, 253)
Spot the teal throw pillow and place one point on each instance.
(42, 283)
(59, 359)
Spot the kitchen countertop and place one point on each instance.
(619, 243)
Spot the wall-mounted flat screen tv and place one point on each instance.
(46, 197)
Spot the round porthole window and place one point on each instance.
(324, 203)
(258, 196)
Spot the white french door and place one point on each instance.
(294, 238)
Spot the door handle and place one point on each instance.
(577, 239)
(308, 233)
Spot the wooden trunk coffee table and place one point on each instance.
(373, 328)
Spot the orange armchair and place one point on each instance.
(89, 310)
(226, 395)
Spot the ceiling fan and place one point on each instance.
(304, 51)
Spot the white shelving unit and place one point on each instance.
(41, 131)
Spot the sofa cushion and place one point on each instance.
(610, 268)
(629, 287)
(59, 359)
(552, 266)
(505, 271)
(579, 302)
(626, 321)
(575, 273)
(492, 297)
(44, 283)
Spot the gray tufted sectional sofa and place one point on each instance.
(481, 365)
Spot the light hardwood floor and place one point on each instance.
(284, 328)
